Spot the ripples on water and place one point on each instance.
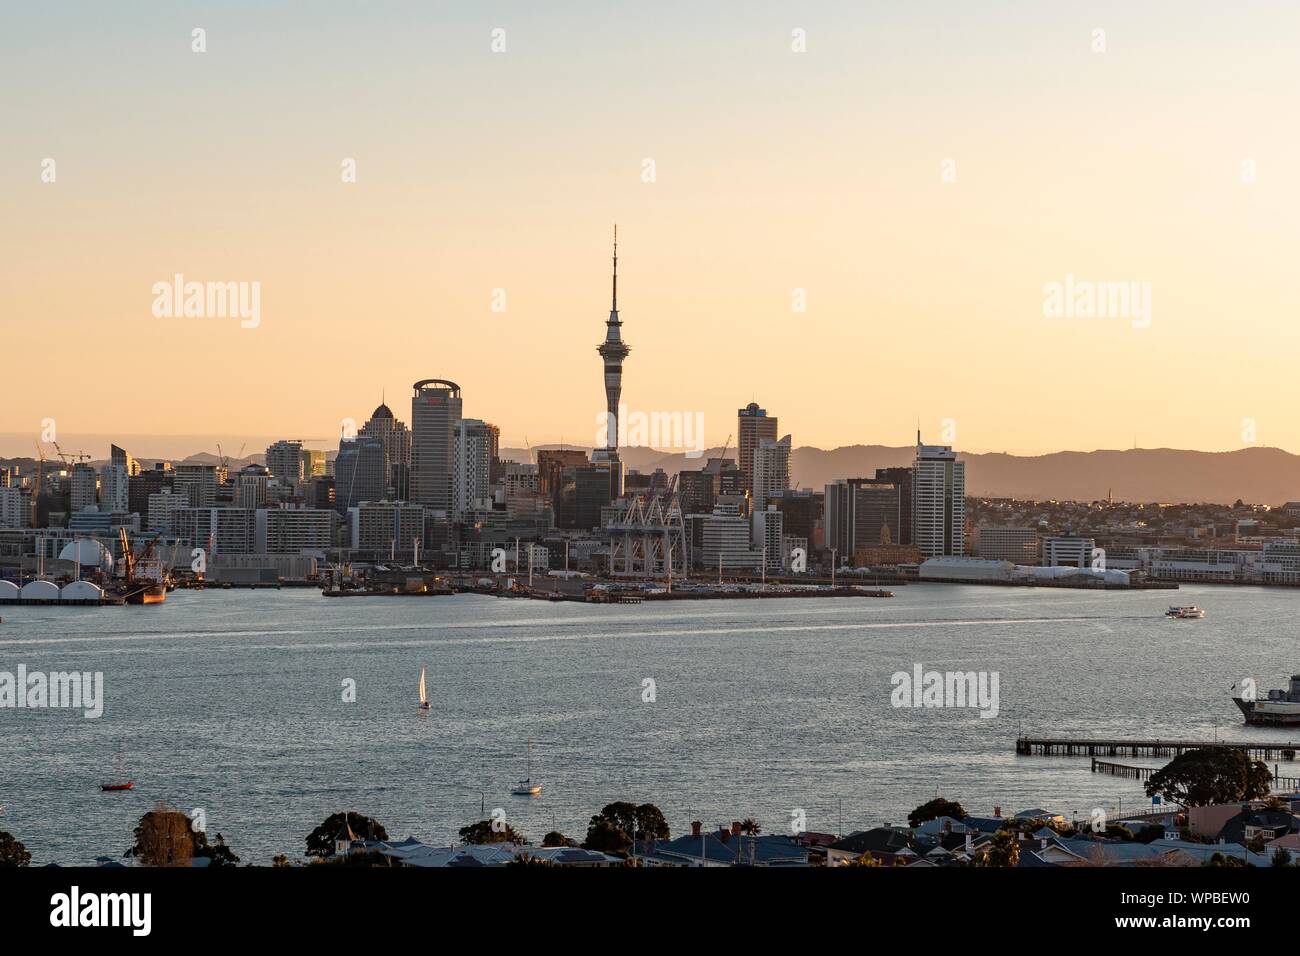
(231, 701)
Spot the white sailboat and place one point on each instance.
(424, 696)
(527, 787)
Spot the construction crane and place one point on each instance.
(70, 459)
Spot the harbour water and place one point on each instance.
(233, 702)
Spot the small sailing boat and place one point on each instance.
(527, 787)
(424, 696)
(120, 780)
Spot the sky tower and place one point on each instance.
(612, 351)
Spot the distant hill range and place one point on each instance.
(1256, 475)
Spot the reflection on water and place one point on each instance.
(232, 701)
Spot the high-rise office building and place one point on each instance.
(84, 485)
(115, 491)
(284, 461)
(150, 481)
(198, 483)
(865, 513)
(476, 446)
(435, 409)
(313, 463)
(771, 475)
(359, 472)
(938, 501)
(612, 353)
(396, 439)
(752, 427)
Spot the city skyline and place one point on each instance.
(847, 177)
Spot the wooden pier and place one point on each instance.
(1080, 747)
(1144, 774)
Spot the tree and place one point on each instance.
(487, 831)
(644, 822)
(750, 827)
(320, 842)
(1210, 775)
(1281, 857)
(556, 838)
(938, 807)
(605, 837)
(12, 852)
(527, 859)
(221, 854)
(164, 837)
(1225, 861)
(1002, 850)
(280, 860)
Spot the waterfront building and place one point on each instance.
(771, 474)
(218, 530)
(804, 511)
(284, 461)
(1017, 545)
(724, 541)
(386, 529)
(1070, 551)
(767, 534)
(753, 427)
(294, 530)
(901, 479)
(435, 409)
(863, 513)
(938, 501)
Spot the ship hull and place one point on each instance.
(1266, 713)
(153, 594)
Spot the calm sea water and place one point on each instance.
(231, 701)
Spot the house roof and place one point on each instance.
(878, 840)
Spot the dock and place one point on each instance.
(1144, 774)
(1088, 747)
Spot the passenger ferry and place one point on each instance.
(1181, 613)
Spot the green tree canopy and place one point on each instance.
(618, 824)
(938, 807)
(320, 842)
(483, 831)
(12, 852)
(1210, 775)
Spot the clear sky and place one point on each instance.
(1171, 158)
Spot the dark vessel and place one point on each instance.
(1281, 708)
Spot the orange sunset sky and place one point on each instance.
(1170, 158)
